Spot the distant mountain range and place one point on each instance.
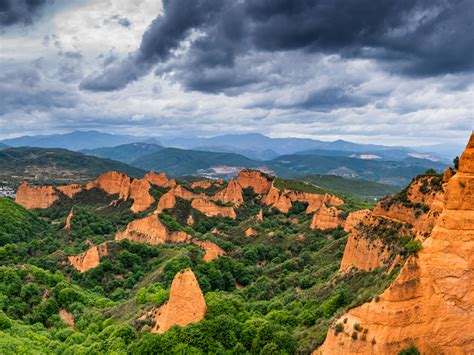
(253, 145)
(226, 155)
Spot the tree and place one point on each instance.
(456, 163)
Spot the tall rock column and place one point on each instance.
(431, 303)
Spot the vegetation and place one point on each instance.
(278, 291)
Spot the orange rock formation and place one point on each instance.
(212, 250)
(326, 218)
(30, 196)
(67, 226)
(159, 179)
(211, 209)
(70, 190)
(112, 182)
(89, 259)
(167, 201)
(151, 230)
(354, 218)
(67, 318)
(259, 182)
(231, 193)
(260, 216)
(431, 303)
(250, 232)
(186, 304)
(140, 193)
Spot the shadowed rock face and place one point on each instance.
(211, 209)
(186, 304)
(254, 179)
(431, 303)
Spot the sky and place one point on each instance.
(384, 72)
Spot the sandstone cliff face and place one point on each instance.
(259, 182)
(112, 182)
(278, 200)
(354, 218)
(420, 205)
(89, 259)
(431, 303)
(186, 304)
(167, 201)
(159, 179)
(326, 218)
(185, 194)
(231, 193)
(30, 196)
(212, 250)
(151, 230)
(211, 209)
(139, 192)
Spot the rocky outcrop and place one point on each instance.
(260, 216)
(419, 205)
(69, 217)
(431, 302)
(185, 194)
(202, 184)
(151, 230)
(167, 201)
(70, 190)
(186, 304)
(355, 218)
(30, 196)
(259, 182)
(212, 250)
(89, 259)
(326, 218)
(278, 200)
(159, 179)
(212, 209)
(250, 232)
(113, 183)
(140, 194)
(232, 193)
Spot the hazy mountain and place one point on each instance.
(446, 150)
(178, 162)
(3, 146)
(125, 153)
(76, 140)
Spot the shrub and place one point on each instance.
(357, 327)
(413, 246)
(354, 335)
(339, 328)
(412, 350)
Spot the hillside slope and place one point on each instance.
(125, 153)
(60, 165)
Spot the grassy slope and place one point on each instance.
(359, 188)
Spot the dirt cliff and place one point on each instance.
(30, 196)
(70, 190)
(140, 194)
(89, 259)
(259, 182)
(354, 218)
(186, 304)
(168, 200)
(112, 182)
(232, 193)
(69, 217)
(212, 209)
(326, 218)
(151, 230)
(212, 250)
(185, 194)
(277, 199)
(431, 302)
(159, 179)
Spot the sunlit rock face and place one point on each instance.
(212, 209)
(431, 303)
(258, 181)
(89, 259)
(186, 304)
(30, 196)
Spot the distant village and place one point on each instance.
(6, 191)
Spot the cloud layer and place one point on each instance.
(387, 71)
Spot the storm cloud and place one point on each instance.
(207, 38)
(23, 12)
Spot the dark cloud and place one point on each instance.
(413, 37)
(22, 12)
(122, 21)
